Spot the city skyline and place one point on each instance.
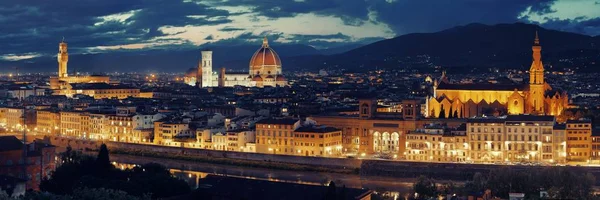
(136, 26)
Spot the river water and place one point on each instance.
(191, 172)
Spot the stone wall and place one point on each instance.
(317, 161)
(447, 171)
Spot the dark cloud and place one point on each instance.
(231, 29)
(36, 26)
(577, 25)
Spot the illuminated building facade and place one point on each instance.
(166, 133)
(264, 70)
(372, 132)
(579, 140)
(318, 141)
(436, 143)
(48, 122)
(294, 137)
(521, 138)
(275, 136)
(75, 124)
(468, 100)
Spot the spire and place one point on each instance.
(265, 42)
(537, 39)
(63, 40)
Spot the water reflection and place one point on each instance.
(193, 177)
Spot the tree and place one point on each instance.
(342, 195)
(331, 192)
(103, 160)
(456, 114)
(450, 113)
(86, 172)
(476, 185)
(101, 193)
(424, 188)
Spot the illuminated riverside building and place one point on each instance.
(296, 137)
(48, 122)
(95, 86)
(74, 123)
(12, 118)
(275, 136)
(166, 132)
(371, 132)
(319, 141)
(579, 140)
(595, 150)
(437, 143)
(264, 70)
(559, 142)
(468, 100)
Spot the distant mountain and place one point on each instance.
(475, 45)
(469, 47)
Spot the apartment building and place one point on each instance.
(319, 141)
(514, 138)
(437, 143)
(275, 136)
(579, 140)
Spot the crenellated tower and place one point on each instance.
(63, 58)
(536, 79)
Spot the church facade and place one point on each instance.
(452, 100)
(264, 70)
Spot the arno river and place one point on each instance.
(193, 171)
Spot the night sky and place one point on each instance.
(32, 28)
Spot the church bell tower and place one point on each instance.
(207, 77)
(536, 79)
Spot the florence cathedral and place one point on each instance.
(451, 100)
(264, 70)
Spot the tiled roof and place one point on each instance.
(10, 143)
(287, 121)
(484, 86)
(316, 129)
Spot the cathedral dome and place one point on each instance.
(265, 56)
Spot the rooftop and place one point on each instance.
(316, 129)
(480, 86)
(286, 121)
(529, 118)
(98, 86)
(10, 143)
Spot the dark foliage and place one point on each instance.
(80, 171)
